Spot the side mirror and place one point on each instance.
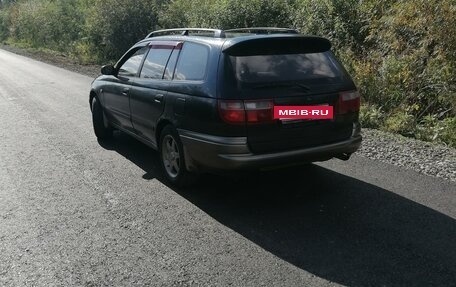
(108, 70)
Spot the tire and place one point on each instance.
(100, 126)
(172, 159)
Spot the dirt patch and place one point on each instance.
(56, 59)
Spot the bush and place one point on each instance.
(50, 24)
(253, 13)
(416, 65)
(225, 14)
(4, 24)
(182, 13)
(400, 122)
(110, 32)
(371, 116)
(433, 129)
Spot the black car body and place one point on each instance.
(213, 93)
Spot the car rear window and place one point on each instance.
(287, 67)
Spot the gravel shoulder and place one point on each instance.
(424, 157)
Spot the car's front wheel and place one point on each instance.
(100, 126)
(173, 160)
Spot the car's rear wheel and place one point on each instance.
(173, 159)
(100, 125)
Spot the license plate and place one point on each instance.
(292, 114)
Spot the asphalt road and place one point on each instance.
(74, 212)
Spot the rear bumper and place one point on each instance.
(206, 152)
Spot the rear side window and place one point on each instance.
(289, 67)
(171, 64)
(155, 63)
(192, 62)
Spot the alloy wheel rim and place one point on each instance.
(171, 156)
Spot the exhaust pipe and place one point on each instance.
(343, 156)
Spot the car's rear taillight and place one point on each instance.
(232, 112)
(349, 102)
(236, 112)
(259, 111)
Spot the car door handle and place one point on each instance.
(159, 98)
(125, 92)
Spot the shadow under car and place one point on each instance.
(326, 223)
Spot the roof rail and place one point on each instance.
(185, 32)
(263, 30)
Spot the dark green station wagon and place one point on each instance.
(205, 99)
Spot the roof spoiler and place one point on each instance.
(278, 45)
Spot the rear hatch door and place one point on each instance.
(290, 71)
